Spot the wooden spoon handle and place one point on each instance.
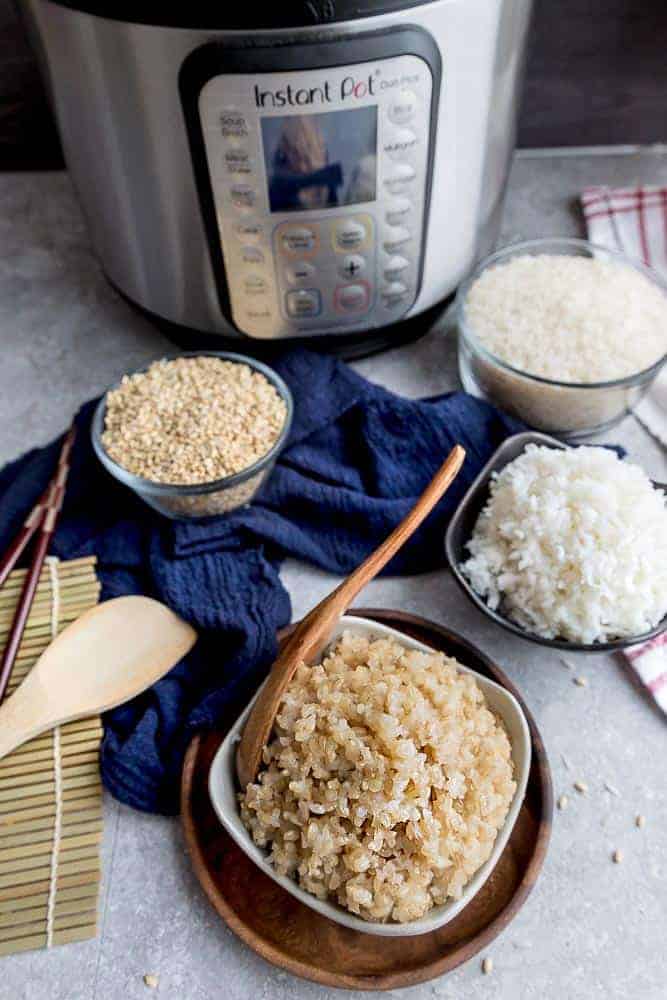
(314, 630)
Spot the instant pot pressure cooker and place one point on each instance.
(305, 169)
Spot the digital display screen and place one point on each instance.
(321, 161)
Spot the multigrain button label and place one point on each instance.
(400, 144)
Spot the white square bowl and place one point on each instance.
(223, 791)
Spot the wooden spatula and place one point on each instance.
(107, 656)
(313, 632)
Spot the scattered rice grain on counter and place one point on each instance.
(192, 420)
(572, 543)
(386, 780)
(569, 318)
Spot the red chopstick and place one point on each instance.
(36, 515)
(51, 509)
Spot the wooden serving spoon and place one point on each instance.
(313, 632)
(107, 656)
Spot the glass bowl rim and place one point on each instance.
(573, 243)
(142, 485)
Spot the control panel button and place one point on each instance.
(397, 210)
(352, 298)
(258, 314)
(303, 303)
(400, 144)
(301, 271)
(395, 267)
(238, 161)
(395, 238)
(249, 232)
(252, 255)
(352, 266)
(243, 196)
(394, 294)
(255, 284)
(402, 109)
(299, 239)
(401, 175)
(349, 234)
(233, 125)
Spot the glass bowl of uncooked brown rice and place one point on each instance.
(195, 435)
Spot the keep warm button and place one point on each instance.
(352, 298)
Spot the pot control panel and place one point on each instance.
(318, 182)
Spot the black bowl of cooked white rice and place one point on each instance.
(565, 547)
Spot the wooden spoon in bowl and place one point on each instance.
(107, 656)
(312, 633)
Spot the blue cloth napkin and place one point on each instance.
(357, 458)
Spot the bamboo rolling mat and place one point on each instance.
(50, 790)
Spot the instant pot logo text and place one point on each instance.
(350, 88)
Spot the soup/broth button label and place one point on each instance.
(233, 125)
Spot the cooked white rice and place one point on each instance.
(569, 318)
(386, 781)
(572, 544)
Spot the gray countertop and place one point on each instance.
(590, 928)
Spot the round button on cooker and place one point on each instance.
(403, 107)
(349, 234)
(400, 143)
(243, 196)
(399, 177)
(395, 237)
(249, 232)
(352, 266)
(299, 239)
(300, 271)
(352, 298)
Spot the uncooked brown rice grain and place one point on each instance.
(192, 420)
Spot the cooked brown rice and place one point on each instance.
(386, 781)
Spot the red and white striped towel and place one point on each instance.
(634, 221)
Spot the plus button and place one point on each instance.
(352, 267)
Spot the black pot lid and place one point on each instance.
(240, 16)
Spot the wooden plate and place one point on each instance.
(294, 937)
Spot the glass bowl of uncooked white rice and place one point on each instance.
(390, 785)
(194, 435)
(565, 335)
(564, 545)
